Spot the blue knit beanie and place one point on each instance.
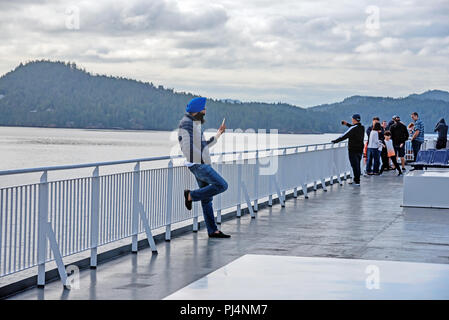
(196, 105)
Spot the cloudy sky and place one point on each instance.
(301, 52)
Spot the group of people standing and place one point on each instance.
(386, 143)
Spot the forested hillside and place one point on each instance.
(60, 94)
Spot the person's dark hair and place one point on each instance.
(377, 126)
(387, 133)
(415, 114)
(376, 118)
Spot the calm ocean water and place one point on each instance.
(26, 147)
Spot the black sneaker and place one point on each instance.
(219, 235)
(188, 203)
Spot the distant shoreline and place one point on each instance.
(140, 130)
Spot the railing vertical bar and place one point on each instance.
(94, 214)
(125, 200)
(6, 231)
(130, 199)
(27, 228)
(126, 216)
(104, 207)
(21, 231)
(1, 228)
(42, 225)
(75, 215)
(83, 234)
(13, 254)
(120, 206)
(135, 215)
(86, 213)
(72, 215)
(70, 223)
(155, 195)
(108, 208)
(128, 188)
(111, 206)
(120, 225)
(59, 215)
(78, 215)
(117, 205)
(34, 223)
(50, 216)
(101, 210)
(65, 215)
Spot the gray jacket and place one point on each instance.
(192, 142)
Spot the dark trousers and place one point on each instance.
(386, 165)
(384, 157)
(355, 158)
(416, 145)
(441, 144)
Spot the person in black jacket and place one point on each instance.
(441, 128)
(399, 135)
(355, 135)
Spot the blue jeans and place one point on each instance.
(373, 155)
(211, 184)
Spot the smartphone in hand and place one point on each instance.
(223, 123)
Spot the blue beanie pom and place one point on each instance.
(196, 105)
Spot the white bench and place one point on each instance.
(426, 189)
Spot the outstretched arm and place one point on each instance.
(344, 136)
(213, 140)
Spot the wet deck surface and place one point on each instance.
(349, 222)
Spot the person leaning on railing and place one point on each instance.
(355, 135)
(196, 150)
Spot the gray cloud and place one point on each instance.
(305, 52)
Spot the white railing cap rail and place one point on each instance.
(118, 162)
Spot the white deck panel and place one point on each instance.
(300, 278)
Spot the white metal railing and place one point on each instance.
(80, 214)
(429, 143)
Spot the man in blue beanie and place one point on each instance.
(355, 135)
(196, 150)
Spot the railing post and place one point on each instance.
(239, 185)
(195, 216)
(270, 186)
(42, 229)
(295, 190)
(283, 188)
(169, 194)
(340, 182)
(314, 179)
(256, 182)
(94, 211)
(136, 207)
(219, 200)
